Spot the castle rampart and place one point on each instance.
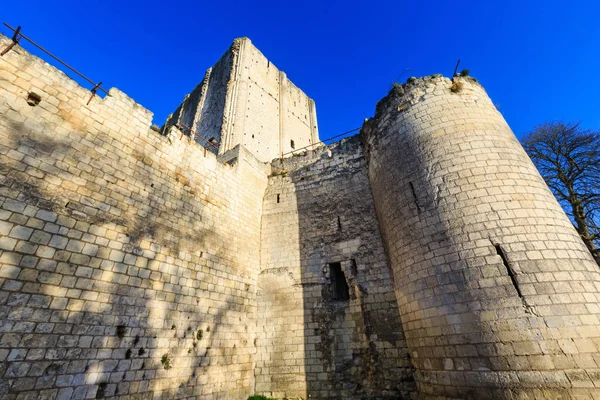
(497, 293)
(128, 260)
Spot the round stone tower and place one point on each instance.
(499, 298)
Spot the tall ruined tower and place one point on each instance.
(498, 296)
(244, 99)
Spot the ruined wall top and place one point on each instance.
(245, 99)
(401, 96)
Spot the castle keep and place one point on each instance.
(245, 100)
(423, 258)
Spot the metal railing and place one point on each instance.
(323, 141)
(17, 36)
(183, 127)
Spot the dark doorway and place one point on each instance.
(339, 286)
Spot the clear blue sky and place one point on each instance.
(538, 60)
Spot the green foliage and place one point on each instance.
(259, 397)
(165, 361)
(284, 173)
(173, 326)
(396, 88)
(199, 334)
(465, 72)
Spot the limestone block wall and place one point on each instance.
(255, 121)
(497, 293)
(128, 260)
(265, 110)
(318, 210)
(244, 99)
(298, 119)
(203, 109)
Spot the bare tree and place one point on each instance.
(568, 158)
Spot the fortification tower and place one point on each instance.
(244, 99)
(497, 293)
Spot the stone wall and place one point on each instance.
(203, 110)
(128, 260)
(318, 210)
(498, 295)
(256, 121)
(244, 99)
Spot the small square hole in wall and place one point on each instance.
(33, 99)
(338, 284)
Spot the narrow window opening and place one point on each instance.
(339, 221)
(278, 198)
(509, 269)
(292, 144)
(414, 194)
(339, 286)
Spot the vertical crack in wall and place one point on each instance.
(513, 278)
(414, 194)
(509, 269)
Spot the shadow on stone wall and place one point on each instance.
(80, 319)
(442, 280)
(354, 348)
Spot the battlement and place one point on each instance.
(124, 242)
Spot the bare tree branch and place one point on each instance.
(568, 158)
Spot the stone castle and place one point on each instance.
(233, 253)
